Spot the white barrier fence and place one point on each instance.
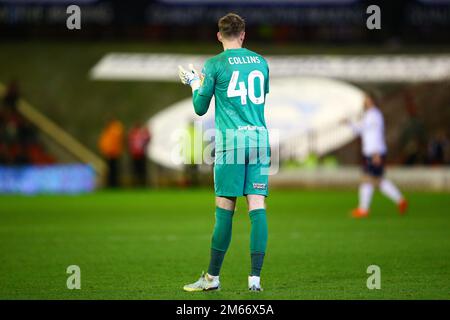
(319, 141)
(392, 68)
(416, 178)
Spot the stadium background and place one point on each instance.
(59, 113)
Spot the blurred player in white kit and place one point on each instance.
(374, 150)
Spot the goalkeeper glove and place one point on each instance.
(189, 77)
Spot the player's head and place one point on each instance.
(370, 100)
(231, 29)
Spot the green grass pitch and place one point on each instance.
(148, 244)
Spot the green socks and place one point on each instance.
(258, 239)
(257, 262)
(220, 240)
(222, 237)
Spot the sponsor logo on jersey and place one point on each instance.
(251, 128)
(202, 79)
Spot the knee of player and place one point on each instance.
(376, 181)
(256, 202)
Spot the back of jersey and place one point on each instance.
(239, 80)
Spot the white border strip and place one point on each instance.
(367, 68)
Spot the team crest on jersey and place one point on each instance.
(202, 79)
(259, 186)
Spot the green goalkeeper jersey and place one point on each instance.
(239, 81)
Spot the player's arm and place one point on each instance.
(375, 124)
(355, 126)
(202, 86)
(201, 103)
(376, 159)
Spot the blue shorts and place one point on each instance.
(372, 169)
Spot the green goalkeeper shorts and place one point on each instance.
(240, 172)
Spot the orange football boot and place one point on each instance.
(402, 206)
(360, 213)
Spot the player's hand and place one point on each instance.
(376, 159)
(189, 77)
(345, 121)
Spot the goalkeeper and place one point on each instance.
(239, 80)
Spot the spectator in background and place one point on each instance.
(12, 96)
(12, 135)
(439, 148)
(138, 140)
(19, 142)
(9, 126)
(413, 136)
(111, 147)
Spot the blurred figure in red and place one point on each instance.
(111, 147)
(138, 140)
(19, 140)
